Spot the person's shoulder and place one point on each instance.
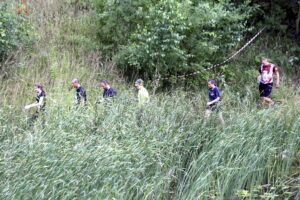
(270, 65)
(275, 68)
(43, 94)
(82, 88)
(274, 65)
(144, 90)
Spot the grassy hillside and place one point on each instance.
(118, 151)
(63, 50)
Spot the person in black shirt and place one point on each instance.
(40, 103)
(80, 91)
(107, 91)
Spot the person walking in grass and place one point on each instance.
(143, 95)
(40, 103)
(107, 91)
(265, 79)
(143, 99)
(214, 101)
(80, 91)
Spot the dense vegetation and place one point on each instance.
(166, 151)
(14, 29)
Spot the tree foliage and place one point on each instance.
(279, 16)
(168, 37)
(165, 38)
(117, 20)
(156, 47)
(15, 29)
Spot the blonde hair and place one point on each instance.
(139, 82)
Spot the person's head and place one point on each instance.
(211, 83)
(38, 87)
(75, 83)
(264, 60)
(104, 84)
(138, 83)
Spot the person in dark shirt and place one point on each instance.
(214, 101)
(40, 103)
(107, 91)
(80, 91)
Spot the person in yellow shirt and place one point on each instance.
(143, 95)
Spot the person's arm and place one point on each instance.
(99, 101)
(82, 97)
(114, 93)
(214, 101)
(148, 99)
(259, 75)
(37, 104)
(83, 100)
(147, 96)
(277, 79)
(140, 98)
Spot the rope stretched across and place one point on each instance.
(219, 64)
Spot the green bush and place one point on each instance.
(156, 48)
(15, 29)
(166, 38)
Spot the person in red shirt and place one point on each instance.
(266, 71)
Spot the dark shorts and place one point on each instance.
(265, 89)
(214, 107)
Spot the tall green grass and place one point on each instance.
(112, 151)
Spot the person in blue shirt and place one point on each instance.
(80, 92)
(107, 91)
(213, 104)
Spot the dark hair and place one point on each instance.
(40, 86)
(212, 81)
(105, 82)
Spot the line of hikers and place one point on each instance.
(265, 80)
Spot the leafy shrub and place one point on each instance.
(166, 38)
(155, 48)
(15, 28)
